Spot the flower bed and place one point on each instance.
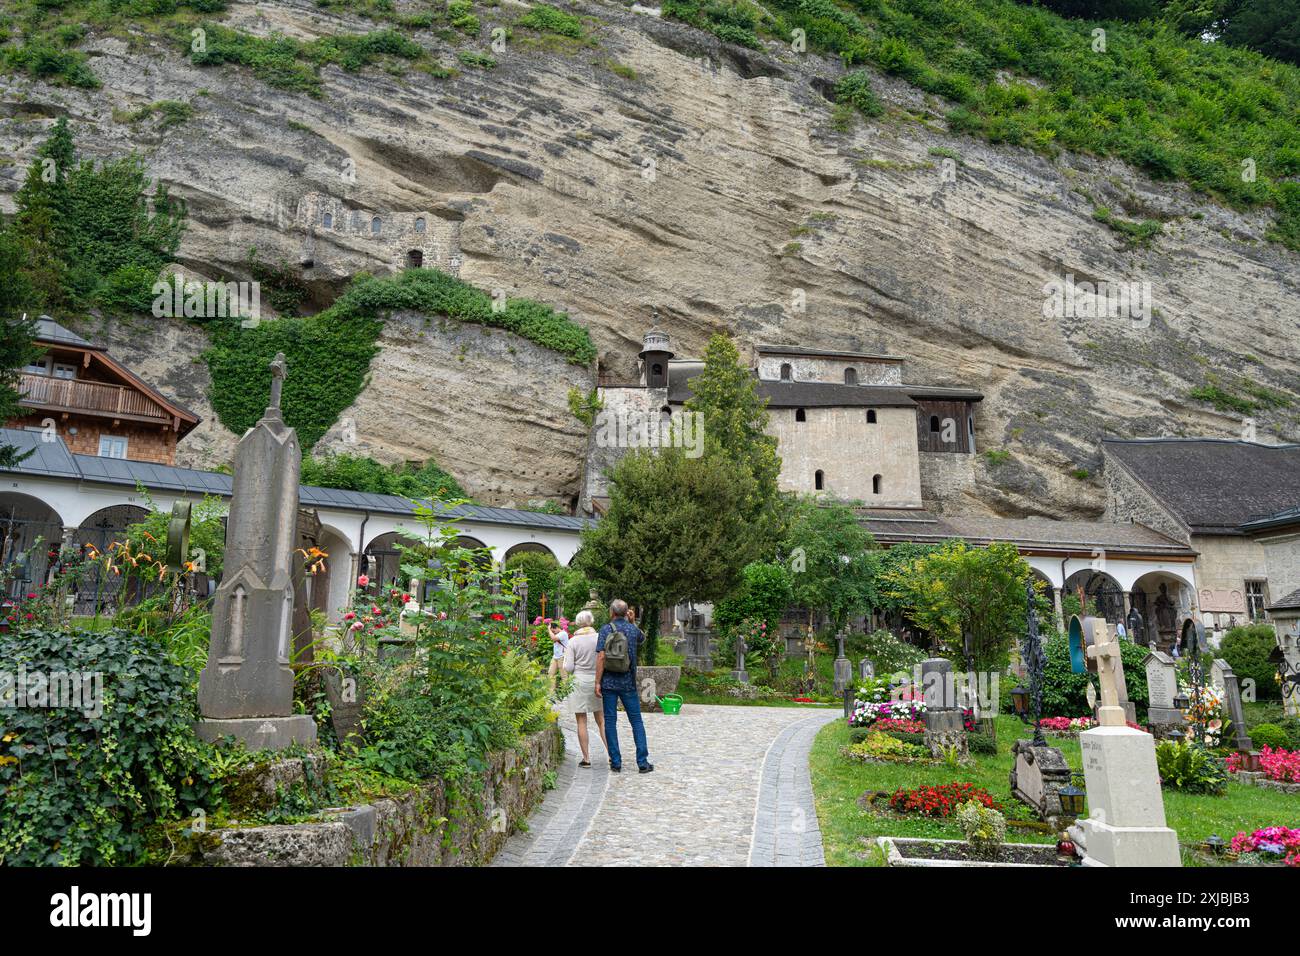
(1067, 726)
(940, 801)
(1280, 765)
(1268, 845)
(896, 725)
(881, 746)
(868, 713)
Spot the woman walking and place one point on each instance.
(580, 661)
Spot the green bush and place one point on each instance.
(1270, 735)
(361, 473)
(547, 19)
(541, 571)
(855, 90)
(1246, 650)
(981, 743)
(83, 790)
(1185, 766)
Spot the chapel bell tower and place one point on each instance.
(654, 357)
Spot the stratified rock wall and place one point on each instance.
(713, 188)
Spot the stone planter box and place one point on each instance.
(664, 681)
(426, 827)
(895, 847)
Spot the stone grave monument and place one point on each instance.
(1038, 776)
(246, 689)
(866, 668)
(1126, 821)
(843, 666)
(1162, 687)
(1221, 673)
(740, 674)
(944, 727)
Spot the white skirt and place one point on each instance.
(582, 699)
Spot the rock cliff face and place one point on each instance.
(714, 188)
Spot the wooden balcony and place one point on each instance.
(88, 398)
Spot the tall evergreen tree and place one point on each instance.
(734, 420)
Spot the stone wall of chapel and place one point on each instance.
(848, 451)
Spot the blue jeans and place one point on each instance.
(632, 707)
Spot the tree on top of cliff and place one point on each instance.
(92, 235)
(734, 423)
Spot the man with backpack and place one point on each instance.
(616, 650)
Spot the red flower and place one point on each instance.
(498, 617)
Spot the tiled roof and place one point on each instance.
(824, 353)
(1028, 533)
(781, 394)
(1282, 519)
(1291, 600)
(52, 459)
(1213, 486)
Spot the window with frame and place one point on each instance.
(1255, 599)
(64, 370)
(40, 367)
(112, 446)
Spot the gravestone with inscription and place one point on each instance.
(1162, 687)
(1126, 821)
(945, 726)
(1222, 675)
(843, 667)
(246, 689)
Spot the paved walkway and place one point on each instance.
(730, 788)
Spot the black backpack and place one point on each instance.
(618, 659)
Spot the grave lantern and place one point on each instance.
(1072, 800)
(1215, 843)
(1020, 700)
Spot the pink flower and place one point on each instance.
(362, 581)
(358, 626)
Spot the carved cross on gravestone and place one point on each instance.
(1110, 675)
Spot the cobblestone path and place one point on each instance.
(730, 788)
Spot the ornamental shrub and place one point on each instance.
(1186, 766)
(83, 785)
(1246, 649)
(889, 654)
(982, 826)
(1269, 735)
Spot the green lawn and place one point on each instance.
(839, 782)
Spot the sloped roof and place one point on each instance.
(780, 394)
(1212, 485)
(825, 353)
(1280, 520)
(1046, 534)
(1291, 600)
(47, 330)
(52, 459)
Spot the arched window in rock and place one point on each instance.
(800, 415)
(376, 226)
(934, 423)
(850, 376)
(876, 482)
(787, 373)
(414, 259)
(819, 481)
(871, 416)
(328, 220)
(419, 224)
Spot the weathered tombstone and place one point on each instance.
(246, 689)
(1162, 687)
(843, 667)
(1222, 674)
(866, 668)
(937, 689)
(1126, 822)
(699, 650)
(1038, 776)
